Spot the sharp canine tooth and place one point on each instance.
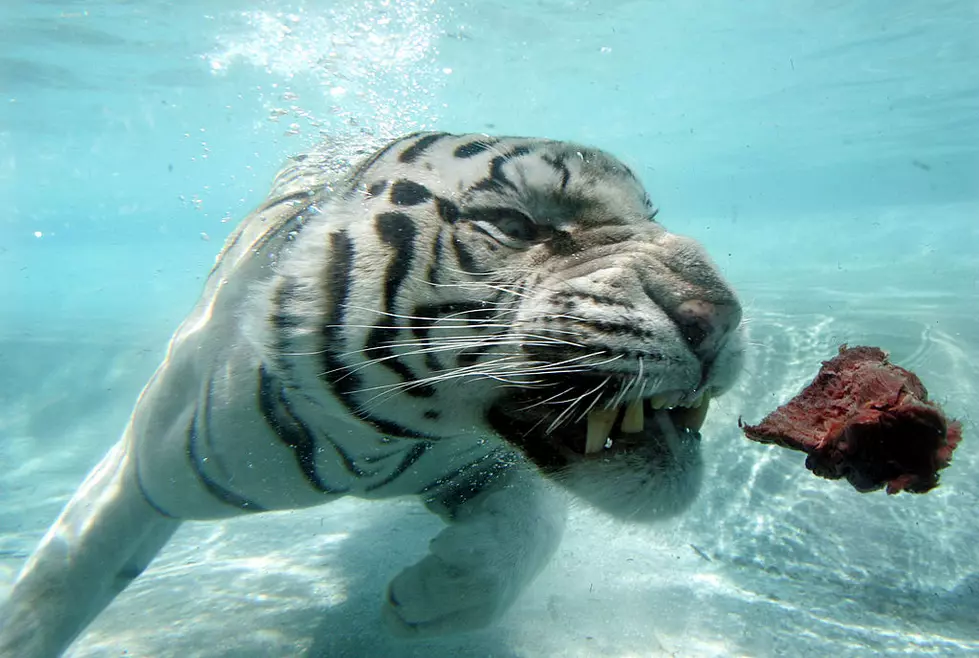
(658, 401)
(694, 417)
(633, 420)
(668, 429)
(600, 424)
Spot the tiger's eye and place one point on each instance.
(506, 225)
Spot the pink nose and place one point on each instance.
(704, 324)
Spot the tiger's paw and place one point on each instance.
(434, 597)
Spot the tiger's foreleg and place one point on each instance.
(496, 542)
(103, 539)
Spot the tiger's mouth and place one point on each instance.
(642, 420)
(656, 424)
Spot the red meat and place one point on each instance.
(865, 420)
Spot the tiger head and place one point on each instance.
(524, 288)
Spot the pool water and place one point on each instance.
(826, 153)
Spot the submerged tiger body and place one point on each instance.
(450, 318)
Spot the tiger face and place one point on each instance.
(527, 292)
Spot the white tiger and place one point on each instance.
(452, 316)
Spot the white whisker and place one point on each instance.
(456, 344)
(598, 396)
(550, 400)
(567, 412)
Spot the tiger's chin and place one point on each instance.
(637, 465)
(642, 485)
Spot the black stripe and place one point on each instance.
(497, 180)
(280, 318)
(469, 357)
(397, 230)
(356, 178)
(374, 459)
(566, 299)
(424, 318)
(554, 353)
(226, 496)
(337, 283)
(448, 211)
(418, 149)
(420, 327)
(149, 501)
(378, 346)
(561, 167)
(436, 260)
(466, 260)
(205, 437)
(471, 149)
(296, 434)
(413, 455)
(283, 322)
(409, 193)
(465, 310)
(455, 489)
(337, 280)
(618, 328)
(390, 429)
(541, 453)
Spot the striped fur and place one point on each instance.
(437, 322)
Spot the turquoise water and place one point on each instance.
(826, 153)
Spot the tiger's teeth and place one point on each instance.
(699, 414)
(665, 400)
(693, 417)
(600, 424)
(633, 420)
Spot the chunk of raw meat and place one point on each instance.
(865, 420)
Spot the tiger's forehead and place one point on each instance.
(537, 175)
